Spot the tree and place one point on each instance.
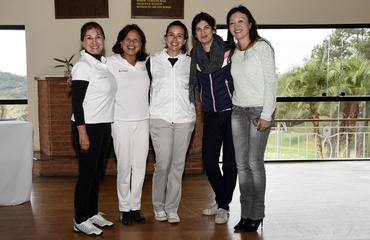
(346, 53)
(308, 80)
(354, 77)
(339, 65)
(343, 44)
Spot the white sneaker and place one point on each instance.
(160, 216)
(99, 220)
(87, 227)
(173, 218)
(222, 216)
(212, 210)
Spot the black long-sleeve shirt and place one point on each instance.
(79, 88)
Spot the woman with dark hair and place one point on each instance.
(253, 71)
(172, 119)
(210, 70)
(93, 90)
(130, 130)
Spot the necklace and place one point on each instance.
(245, 50)
(249, 45)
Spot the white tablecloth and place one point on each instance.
(16, 156)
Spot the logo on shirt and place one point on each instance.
(122, 70)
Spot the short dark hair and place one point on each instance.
(142, 54)
(253, 33)
(178, 23)
(202, 16)
(90, 25)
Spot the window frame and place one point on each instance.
(13, 101)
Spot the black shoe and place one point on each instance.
(126, 218)
(242, 224)
(253, 225)
(138, 216)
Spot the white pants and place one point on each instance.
(170, 143)
(131, 145)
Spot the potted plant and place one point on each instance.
(66, 64)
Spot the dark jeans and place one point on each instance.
(216, 134)
(91, 164)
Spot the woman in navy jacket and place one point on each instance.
(210, 72)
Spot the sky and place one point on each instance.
(292, 47)
(13, 52)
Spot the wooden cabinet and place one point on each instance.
(55, 116)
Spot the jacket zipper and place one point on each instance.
(173, 80)
(228, 89)
(213, 96)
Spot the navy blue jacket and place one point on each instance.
(215, 88)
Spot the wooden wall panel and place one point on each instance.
(65, 9)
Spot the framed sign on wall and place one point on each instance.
(157, 9)
(65, 9)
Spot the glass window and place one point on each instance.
(323, 91)
(13, 69)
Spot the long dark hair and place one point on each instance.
(178, 23)
(253, 33)
(142, 54)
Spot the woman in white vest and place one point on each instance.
(172, 119)
(130, 129)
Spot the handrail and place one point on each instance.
(324, 99)
(278, 99)
(13, 101)
(324, 120)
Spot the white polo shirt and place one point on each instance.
(99, 99)
(132, 97)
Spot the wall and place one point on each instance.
(48, 37)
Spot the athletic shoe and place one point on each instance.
(173, 218)
(222, 216)
(87, 227)
(160, 216)
(99, 220)
(212, 210)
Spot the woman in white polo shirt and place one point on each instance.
(130, 129)
(93, 90)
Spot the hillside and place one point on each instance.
(12, 86)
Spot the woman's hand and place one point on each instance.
(263, 124)
(83, 138)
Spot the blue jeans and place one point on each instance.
(250, 146)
